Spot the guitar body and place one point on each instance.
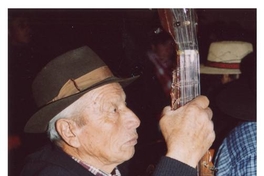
(205, 166)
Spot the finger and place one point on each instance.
(201, 101)
(209, 112)
(166, 110)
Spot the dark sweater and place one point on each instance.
(52, 161)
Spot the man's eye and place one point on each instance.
(115, 110)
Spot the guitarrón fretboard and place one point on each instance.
(186, 76)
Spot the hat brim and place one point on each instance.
(211, 70)
(38, 123)
(238, 101)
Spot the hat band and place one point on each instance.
(223, 65)
(73, 86)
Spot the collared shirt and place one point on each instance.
(95, 171)
(237, 154)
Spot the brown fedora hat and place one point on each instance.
(64, 80)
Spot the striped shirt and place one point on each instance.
(237, 154)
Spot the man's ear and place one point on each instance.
(67, 129)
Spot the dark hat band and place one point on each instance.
(222, 65)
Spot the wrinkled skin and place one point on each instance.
(188, 131)
(109, 135)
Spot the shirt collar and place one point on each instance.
(95, 171)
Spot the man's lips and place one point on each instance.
(132, 141)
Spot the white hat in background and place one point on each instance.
(224, 57)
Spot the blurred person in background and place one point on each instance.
(222, 67)
(151, 93)
(237, 154)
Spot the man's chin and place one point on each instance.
(129, 154)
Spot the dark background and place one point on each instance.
(117, 35)
(113, 33)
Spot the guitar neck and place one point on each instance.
(181, 24)
(186, 76)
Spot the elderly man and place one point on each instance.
(83, 109)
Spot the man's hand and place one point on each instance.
(188, 131)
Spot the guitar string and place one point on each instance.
(185, 36)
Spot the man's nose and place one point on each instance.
(133, 120)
